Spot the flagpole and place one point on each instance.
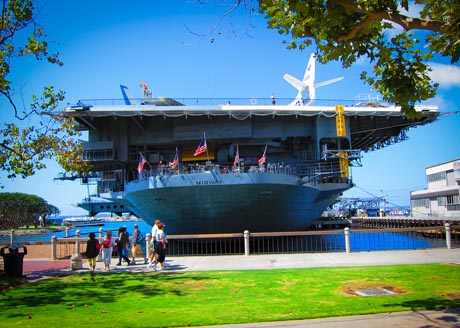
(236, 160)
(140, 153)
(238, 153)
(206, 142)
(177, 154)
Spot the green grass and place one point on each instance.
(222, 297)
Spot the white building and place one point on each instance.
(442, 196)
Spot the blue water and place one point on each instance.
(381, 241)
(84, 231)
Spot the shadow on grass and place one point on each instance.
(87, 289)
(430, 304)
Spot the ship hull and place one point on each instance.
(228, 203)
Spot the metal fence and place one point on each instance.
(246, 243)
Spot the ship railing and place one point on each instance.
(317, 172)
(252, 101)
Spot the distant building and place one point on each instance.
(442, 196)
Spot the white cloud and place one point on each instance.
(446, 75)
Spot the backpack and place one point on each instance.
(140, 237)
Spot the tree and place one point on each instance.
(23, 149)
(347, 30)
(17, 209)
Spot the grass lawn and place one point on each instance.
(165, 299)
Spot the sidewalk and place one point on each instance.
(38, 268)
(35, 267)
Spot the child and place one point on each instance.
(92, 250)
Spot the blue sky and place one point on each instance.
(107, 43)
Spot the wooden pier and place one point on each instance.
(402, 222)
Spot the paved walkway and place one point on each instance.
(38, 268)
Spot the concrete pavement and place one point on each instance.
(39, 268)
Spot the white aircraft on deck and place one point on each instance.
(307, 87)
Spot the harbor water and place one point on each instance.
(84, 231)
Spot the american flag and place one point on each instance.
(263, 159)
(140, 166)
(237, 157)
(175, 162)
(201, 147)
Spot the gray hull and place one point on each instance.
(222, 203)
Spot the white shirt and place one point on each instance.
(160, 235)
(154, 231)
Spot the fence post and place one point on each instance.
(77, 242)
(53, 248)
(347, 239)
(99, 256)
(75, 259)
(147, 245)
(12, 237)
(448, 236)
(67, 232)
(246, 242)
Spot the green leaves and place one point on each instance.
(47, 134)
(18, 209)
(348, 30)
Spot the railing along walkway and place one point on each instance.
(247, 243)
(289, 242)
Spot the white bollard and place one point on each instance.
(347, 239)
(448, 236)
(147, 245)
(246, 242)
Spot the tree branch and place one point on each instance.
(13, 104)
(407, 23)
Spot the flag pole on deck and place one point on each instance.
(202, 147)
(236, 162)
(142, 162)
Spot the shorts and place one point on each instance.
(136, 249)
(152, 246)
(92, 262)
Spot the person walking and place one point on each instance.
(161, 244)
(92, 250)
(138, 237)
(107, 249)
(123, 245)
(152, 257)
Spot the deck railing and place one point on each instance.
(321, 171)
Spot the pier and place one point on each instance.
(402, 222)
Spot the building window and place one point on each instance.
(420, 202)
(437, 176)
(453, 199)
(441, 201)
(454, 207)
